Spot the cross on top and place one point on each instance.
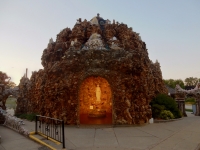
(78, 20)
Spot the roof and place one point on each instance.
(170, 90)
(189, 87)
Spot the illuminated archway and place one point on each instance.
(95, 101)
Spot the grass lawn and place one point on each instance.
(189, 103)
(190, 110)
(11, 102)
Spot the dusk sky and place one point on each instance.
(170, 29)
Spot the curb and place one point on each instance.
(163, 121)
(31, 136)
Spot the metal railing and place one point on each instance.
(51, 128)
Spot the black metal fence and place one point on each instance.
(51, 128)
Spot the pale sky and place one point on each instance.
(170, 29)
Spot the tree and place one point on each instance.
(11, 84)
(4, 78)
(172, 83)
(191, 81)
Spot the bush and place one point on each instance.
(190, 100)
(168, 103)
(156, 109)
(29, 117)
(166, 114)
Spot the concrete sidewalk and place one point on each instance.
(182, 134)
(12, 140)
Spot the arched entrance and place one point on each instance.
(95, 101)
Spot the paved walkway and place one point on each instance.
(12, 140)
(183, 134)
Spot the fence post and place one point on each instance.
(48, 130)
(63, 134)
(36, 124)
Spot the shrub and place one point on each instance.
(29, 117)
(166, 114)
(156, 109)
(190, 100)
(168, 103)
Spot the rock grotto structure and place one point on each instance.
(182, 94)
(96, 73)
(5, 92)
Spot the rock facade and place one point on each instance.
(104, 51)
(22, 96)
(182, 94)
